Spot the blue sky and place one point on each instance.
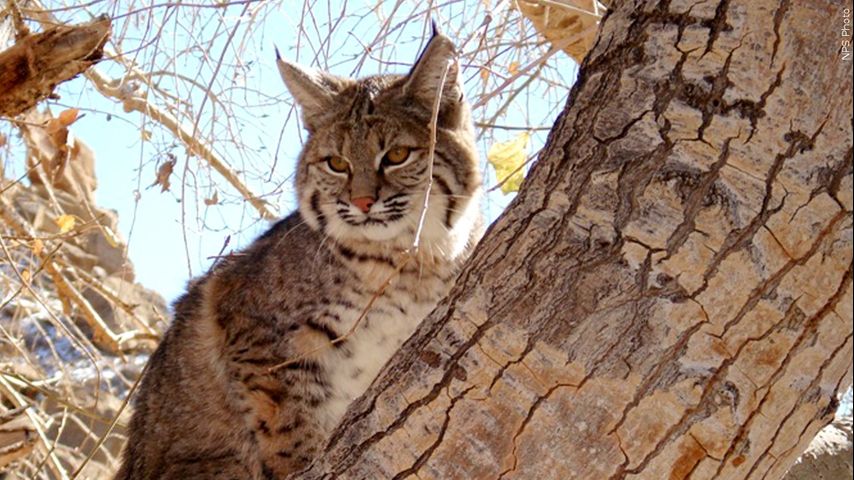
(260, 138)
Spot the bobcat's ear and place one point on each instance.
(423, 80)
(314, 91)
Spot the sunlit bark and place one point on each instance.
(670, 295)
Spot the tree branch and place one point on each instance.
(37, 63)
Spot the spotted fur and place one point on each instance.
(209, 406)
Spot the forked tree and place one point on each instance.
(670, 294)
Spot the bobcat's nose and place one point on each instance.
(363, 203)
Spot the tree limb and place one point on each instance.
(669, 295)
(37, 63)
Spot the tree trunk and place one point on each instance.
(670, 294)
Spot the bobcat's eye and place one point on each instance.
(397, 155)
(337, 164)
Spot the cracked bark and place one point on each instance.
(670, 295)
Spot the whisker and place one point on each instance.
(451, 195)
(283, 237)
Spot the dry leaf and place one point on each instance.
(68, 116)
(57, 127)
(572, 26)
(484, 74)
(146, 135)
(163, 174)
(213, 200)
(56, 131)
(507, 159)
(37, 247)
(2, 140)
(513, 68)
(26, 276)
(65, 223)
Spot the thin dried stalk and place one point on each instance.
(112, 296)
(102, 334)
(19, 401)
(112, 425)
(111, 89)
(431, 152)
(355, 325)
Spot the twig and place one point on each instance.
(512, 127)
(109, 294)
(131, 102)
(431, 152)
(20, 381)
(535, 63)
(101, 333)
(21, 29)
(18, 401)
(410, 254)
(353, 327)
(113, 423)
(515, 170)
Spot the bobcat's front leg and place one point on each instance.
(279, 410)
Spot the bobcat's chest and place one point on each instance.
(391, 320)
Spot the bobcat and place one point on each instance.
(250, 380)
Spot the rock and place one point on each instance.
(829, 456)
(17, 436)
(96, 245)
(147, 306)
(111, 256)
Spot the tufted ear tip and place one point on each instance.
(290, 72)
(423, 79)
(315, 91)
(436, 31)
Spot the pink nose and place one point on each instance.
(363, 203)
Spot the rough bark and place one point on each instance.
(37, 63)
(670, 294)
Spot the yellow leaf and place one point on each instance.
(513, 68)
(484, 74)
(110, 236)
(37, 247)
(26, 276)
(146, 135)
(507, 158)
(65, 223)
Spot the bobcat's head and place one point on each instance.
(365, 166)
